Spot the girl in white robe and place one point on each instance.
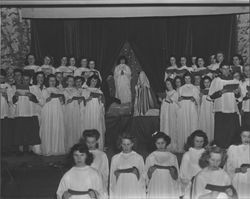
(63, 68)
(94, 110)
(83, 68)
(126, 172)
(30, 65)
(240, 174)
(37, 88)
(188, 112)
(72, 114)
(196, 144)
(168, 115)
(122, 77)
(93, 70)
(211, 174)
(52, 129)
(71, 66)
(81, 181)
(100, 162)
(169, 73)
(80, 90)
(162, 170)
(206, 115)
(47, 67)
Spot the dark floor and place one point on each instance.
(33, 176)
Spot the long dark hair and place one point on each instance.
(190, 139)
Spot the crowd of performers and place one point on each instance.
(205, 172)
(44, 110)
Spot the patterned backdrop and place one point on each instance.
(15, 38)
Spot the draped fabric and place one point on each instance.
(152, 39)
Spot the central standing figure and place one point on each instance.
(122, 77)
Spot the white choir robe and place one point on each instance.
(243, 87)
(226, 103)
(189, 168)
(52, 129)
(122, 83)
(5, 103)
(82, 93)
(206, 117)
(64, 70)
(238, 155)
(187, 115)
(81, 179)
(94, 115)
(162, 185)
(127, 186)
(31, 67)
(215, 177)
(101, 164)
(47, 69)
(168, 119)
(72, 118)
(79, 71)
(37, 91)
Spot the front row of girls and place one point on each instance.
(205, 172)
(187, 107)
(49, 119)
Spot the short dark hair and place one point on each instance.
(203, 161)
(188, 74)
(82, 148)
(91, 133)
(198, 133)
(180, 78)
(158, 134)
(128, 136)
(35, 77)
(203, 80)
(98, 84)
(47, 80)
(26, 58)
(239, 57)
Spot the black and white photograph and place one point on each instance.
(125, 99)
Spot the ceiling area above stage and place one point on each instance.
(125, 8)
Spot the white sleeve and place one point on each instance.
(63, 186)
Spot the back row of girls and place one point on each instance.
(217, 106)
(50, 119)
(204, 173)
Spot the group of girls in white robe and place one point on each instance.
(205, 104)
(55, 115)
(226, 169)
(67, 113)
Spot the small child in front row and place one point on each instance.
(126, 172)
(100, 162)
(162, 170)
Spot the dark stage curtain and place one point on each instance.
(152, 39)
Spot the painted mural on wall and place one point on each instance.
(15, 37)
(243, 32)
